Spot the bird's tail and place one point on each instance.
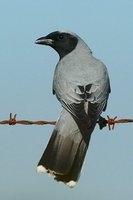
(64, 155)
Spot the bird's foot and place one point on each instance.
(102, 122)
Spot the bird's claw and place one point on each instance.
(102, 122)
(110, 122)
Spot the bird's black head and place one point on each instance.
(62, 42)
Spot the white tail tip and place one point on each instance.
(40, 168)
(71, 184)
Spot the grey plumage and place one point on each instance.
(81, 84)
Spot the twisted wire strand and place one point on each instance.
(102, 122)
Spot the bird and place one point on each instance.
(82, 86)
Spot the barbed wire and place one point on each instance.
(102, 122)
(12, 121)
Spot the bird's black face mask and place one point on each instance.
(63, 43)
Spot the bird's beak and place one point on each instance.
(44, 41)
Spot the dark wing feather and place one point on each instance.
(90, 102)
(84, 102)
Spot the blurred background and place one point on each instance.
(26, 74)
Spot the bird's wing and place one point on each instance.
(90, 99)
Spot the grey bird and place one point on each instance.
(81, 84)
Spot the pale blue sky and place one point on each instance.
(26, 73)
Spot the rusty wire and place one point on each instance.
(102, 122)
(12, 121)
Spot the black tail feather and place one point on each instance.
(64, 155)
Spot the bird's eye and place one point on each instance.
(61, 36)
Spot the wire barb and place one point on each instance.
(102, 122)
(12, 119)
(111, 122)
